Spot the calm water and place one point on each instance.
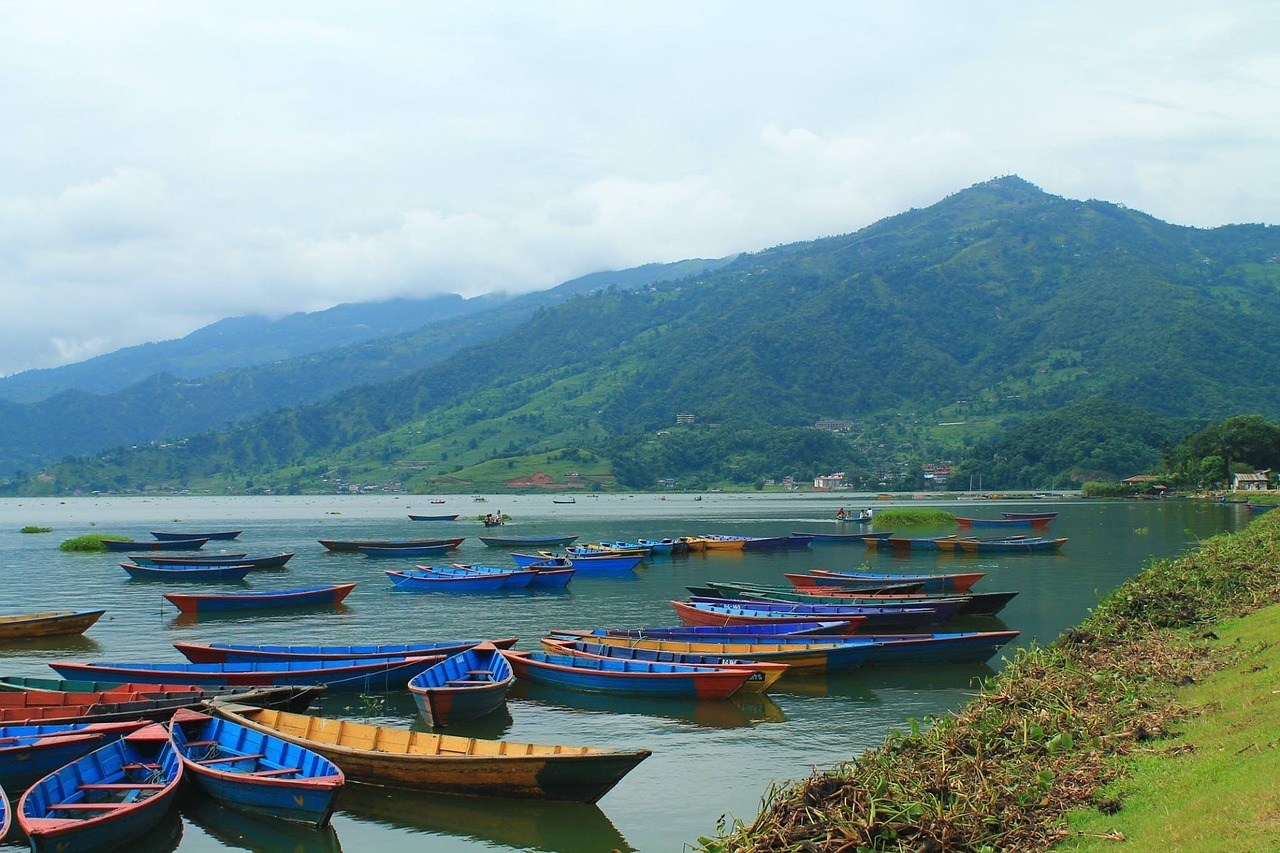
(709, 758)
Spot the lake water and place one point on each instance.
(709, 758)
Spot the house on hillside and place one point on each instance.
(830, 481)
(1258, 481)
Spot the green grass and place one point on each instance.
(1215, 785)
(32, 528)
(913, 517)
(90, 542)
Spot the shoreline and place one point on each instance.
(1045, 736)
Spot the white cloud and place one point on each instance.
(164, 166)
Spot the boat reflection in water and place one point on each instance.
(734, 712)
(515, 824)
(258, 618)
(244, 831)
(60, 643)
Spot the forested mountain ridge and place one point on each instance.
(168, 405)
(927, 331)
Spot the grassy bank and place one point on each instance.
(1050, 733)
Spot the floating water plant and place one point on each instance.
(90, 542)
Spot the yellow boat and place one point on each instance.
(421, 761)
(47, 624)
(723, 543)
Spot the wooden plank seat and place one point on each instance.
(466, 681)
(254, 756)
(141, 767)
(283, 771)
(119, 786)
(86, 806)
(478, 672)
(201, 742)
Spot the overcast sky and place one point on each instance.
(163, 165)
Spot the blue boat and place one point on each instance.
(628, 677)
(248, 653)
(763, 675)
(169, 537)
(156, 545)
(512, 578)
(273, 561)
(659, 547)
(186, 574)
(367, 674)
(586, 564)
(526, 541)
(552, 574)
(756, 632)
(873, 616)
(103, 799)
(254, 771)
(30, 752)
(307, 596)
(463, 687)
(418, 580)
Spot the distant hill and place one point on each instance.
(927, 332)
(180, 393)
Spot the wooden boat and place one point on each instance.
(512, 578)
(828, 628)
(1012, 545)
(608, 549)
(417, 580)
(404, 551)
(717, 542)
(221, 534)
(875, 617)
(690, 615)
(626, 677)
(905, 543)
(821, 538)
(254, 771)
(1259, 508)
(147, 697)
(379, 674)
(1003, 522)
(551, 574)
(563, 501)
(953, 582)
(818, 655)
(1034, 516)
(875, 649)
(186, 574)
(48, 624)
(355, 544)
(463, 687)
(588, 564)
(274, 561)
(420, 761)
(30, 752)
(973, 603)
(157, 545)
(104, 798)
(526, 541)
(768, 543)
(44, 706)
(661, 546)
(245, 653)
(448, 517)
(763, 675)
(307, 596)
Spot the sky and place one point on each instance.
(164, 165)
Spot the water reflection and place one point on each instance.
(231, 617)
(734, 712)
(244, 831)
(76, 643)
(514, 824)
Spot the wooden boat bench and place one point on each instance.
(483, 672)
(141, 767)
(283, 771)
(118, 786)
(229, 758)
(201, 742)
(465, 681)
(86, 806)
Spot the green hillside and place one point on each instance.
(928, 332)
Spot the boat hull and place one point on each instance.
(422, 761)
(527, 541)
(51, 624)
(316, 596)
(463, 687)
(631, 678)
(369, 674)
(157, 545)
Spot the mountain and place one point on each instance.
(179, 396)
(927, 332)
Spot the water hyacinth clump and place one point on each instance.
(913, 518)
(90, 542)
(1044, 736)
(32, 528)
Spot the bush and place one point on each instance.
(90, 542)
(31, 528)
(913, 517)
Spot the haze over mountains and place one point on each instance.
(929, 332)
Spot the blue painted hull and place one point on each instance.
(463, 687)
(421, 581)
(221, 534)
(29, 753)
(405, 552)
(157, 545)
(250, 770)
(552, 578)
(634, 678)
(248, 653)
(377, 674)
(526, 541)
(275, 599)
(512, 579)
(145, 763)
(186, 574)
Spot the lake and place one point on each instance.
(710, 759)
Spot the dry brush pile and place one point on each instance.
(1042, 737)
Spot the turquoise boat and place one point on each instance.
(463, 687)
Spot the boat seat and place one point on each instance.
(119, 786)
(477, 672)
(283, 771)
(141, 767)
(201, 742)
(466, 681)
(87, 806)
(226, 759)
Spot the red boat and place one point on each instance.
(690, 615)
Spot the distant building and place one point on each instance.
(686, 418)
(830, 481)
(1258, 481)
(834, 426)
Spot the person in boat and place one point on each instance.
(840, 513)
